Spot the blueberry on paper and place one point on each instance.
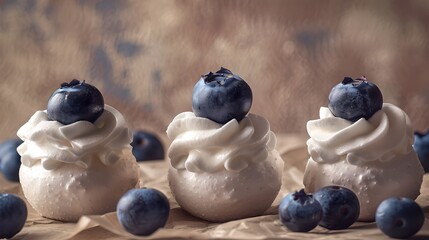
(221, 97)
(340, 207)
(13, 214)
(146, 146)
(399, 217)
(421, 146)
(10, 160)
(300, 212)
(355, 99)
(143, 211)
(7, 145)
(75, 101)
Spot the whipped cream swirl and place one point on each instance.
(386, 134)
(202, 145)
(78, 143)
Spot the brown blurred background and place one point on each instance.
(145, 56)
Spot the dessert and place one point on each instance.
(224, 165)
(76, 155)
(363, 144)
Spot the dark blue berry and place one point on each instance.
(146, 146)
(10, 160)
(340, 207)
(221, 97)
(421, 146)
(300, 212)
(399, 217)
(355, 99)
(75, 101)
(143, 211)
(13, 214)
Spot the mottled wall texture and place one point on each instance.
(146, 56)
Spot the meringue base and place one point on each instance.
(223, 196)
(372, 182)
(70, 191)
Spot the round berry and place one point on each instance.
(340, 207)
(143, 211)
(421, 146)
(300, 212)
(355, 99)
(10, 160)
(75, 101)
(221, 97)
(147, 146)
(399, 217)
(13, 214)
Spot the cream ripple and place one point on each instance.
(55, 144)
(387, 133)
(201, 145)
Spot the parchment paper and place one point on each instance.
(182, 225)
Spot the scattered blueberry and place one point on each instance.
(421, 146)
(340, 207)
(146, 146)
(75, 101)
(143, 211)
(13, 214)
(355, 99)
(300, 212)
(10, 160)
(399, 217)
(221, 97)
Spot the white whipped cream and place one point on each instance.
(55, 144)
(202, 145)
(386, 134)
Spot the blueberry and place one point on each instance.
(340, 207)
(399, 217)
(421, 146)
(146, 146)
(221, 97)
(300, 212)
(10, 160)
(75, 101)
(355, 99)
(143, 211)
(13, 214)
